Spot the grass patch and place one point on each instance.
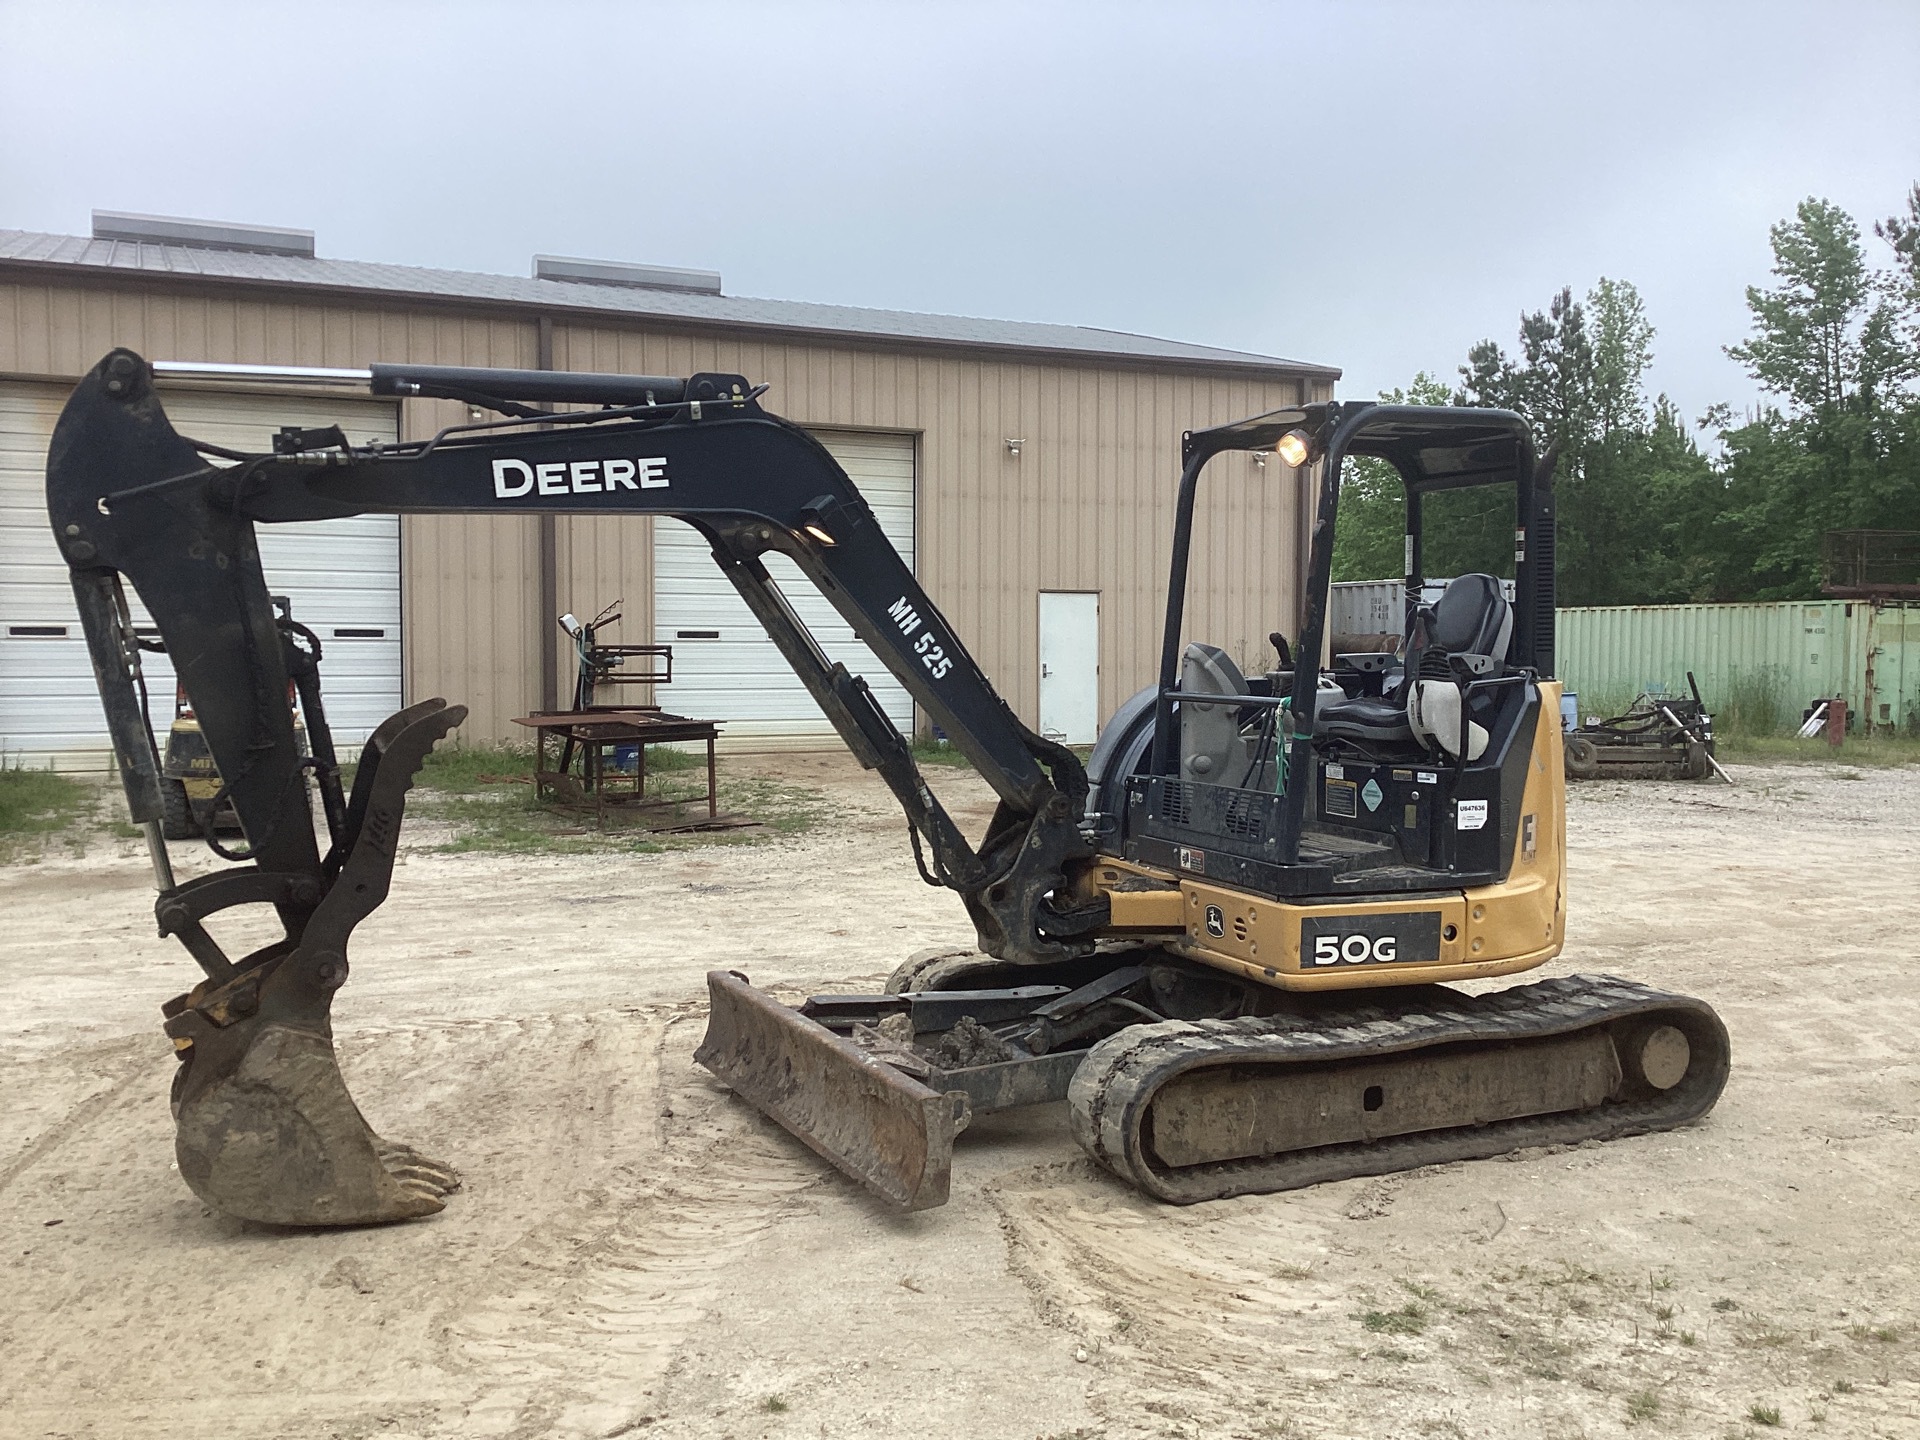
(945, 752)
(784, 809)
(486, 794)
(470, 769)
(35, 803)
(1884, 1334)
(1763, 1414)
(774, 1405)
(939, 752)
(1409, 1319)
(473, 769)
(1642, 1405)
(1755, 703)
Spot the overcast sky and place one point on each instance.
(1369, 186)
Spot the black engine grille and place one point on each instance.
(1184, 812)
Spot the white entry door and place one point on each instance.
(1070, 665)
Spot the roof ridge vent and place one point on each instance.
(619, 272)
(201, 234)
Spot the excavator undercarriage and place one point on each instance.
(1195, 1092)
(1228, 941)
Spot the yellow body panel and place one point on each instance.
(1485, 930)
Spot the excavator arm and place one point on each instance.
(265, 1127)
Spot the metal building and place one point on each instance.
(1027, 471)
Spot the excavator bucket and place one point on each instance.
(884, 1128)
(279, 1140)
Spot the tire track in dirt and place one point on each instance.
(1301, 1315)
(1856, 1030)
(113, 1071)
(1201, 1320)
(600, 1206)
(574, 1325)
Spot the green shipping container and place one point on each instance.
(1755, 659)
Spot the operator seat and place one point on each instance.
(1471, 618)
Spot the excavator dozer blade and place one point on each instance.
(885, 1129)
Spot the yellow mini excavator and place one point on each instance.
(1225, 941)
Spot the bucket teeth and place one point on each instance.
(279, 1140)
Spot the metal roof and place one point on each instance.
(20, 249)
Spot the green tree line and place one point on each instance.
(1647, 514)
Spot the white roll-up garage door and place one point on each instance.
(724, 666)
(342, 577)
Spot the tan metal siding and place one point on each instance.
(601, 561)
(1088, 504)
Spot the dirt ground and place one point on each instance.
(635, 1251)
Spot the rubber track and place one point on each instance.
(1111, 1097)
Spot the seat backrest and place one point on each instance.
(1473, 618)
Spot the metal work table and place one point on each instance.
(593, 732)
